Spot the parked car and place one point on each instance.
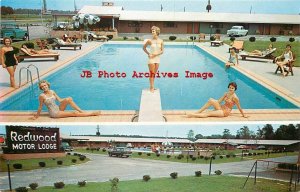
(243, 147)
(237, 31)
(119, 152)
(261, 147)
(66, 147)
(12, 30)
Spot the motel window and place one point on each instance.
(170, 24)
(216, 25)
(287, 27)
(135, 24)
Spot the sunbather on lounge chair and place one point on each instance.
(29, 51)
(261, 53)
(287, 55)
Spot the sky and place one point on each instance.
(229, 6)
(170, 130)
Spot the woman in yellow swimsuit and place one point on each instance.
(156, 49)
(230, 99)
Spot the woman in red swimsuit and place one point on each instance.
(230, 99)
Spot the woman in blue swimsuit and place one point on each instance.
(9, 60)
(49, 97)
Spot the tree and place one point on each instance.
(208, 6)
(6, 10)
(226, 134)
(245, 133)
(287, 132)
(191, 135)
(199, 136)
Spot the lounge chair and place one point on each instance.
(100, 37)
(288, 67)
(58, 43)
(266, 55)
(26, 55)
(238, 45)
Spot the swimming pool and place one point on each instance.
(123, 93)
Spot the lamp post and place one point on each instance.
(210, 26)
(8, 172)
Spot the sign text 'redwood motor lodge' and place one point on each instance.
(32, 139)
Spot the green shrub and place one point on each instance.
(218, 172)
(273, 39)
(136, 38)
(198, 173)
(114, 184)
(227, 156)
(104, 150)
(59, 162)
(81, 183)
(42, 164)
(75, 154)
(194, 158)
(254, 154)
(110, 37)
(33, 186)
(82, 158)
(149, 154)
(125, 38)
(174, 175)
(249, 154)
(68, 153)
(21, 189)
(192, 38)
(292, 39)
(206, 158)
(232, 38)
(59, 185)
(74, 160)
(212, 38)
(213, 157)
(157, 155)
(234, 155)
(17, 166)
(168, 156)
(221, 157)
(252, 39)
(201, 156)
(146, 178)
(87, 148)
(172, 38)
(179, 157)
(140, 153)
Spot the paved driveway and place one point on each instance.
(102, 168)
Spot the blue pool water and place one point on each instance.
(124, 93)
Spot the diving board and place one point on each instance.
(150, 107)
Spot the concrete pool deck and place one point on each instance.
(260, 71)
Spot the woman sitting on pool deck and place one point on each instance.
(29, 51)
(48, 97)
(233, 58)
(230, 99)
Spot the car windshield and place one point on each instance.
(236, 27)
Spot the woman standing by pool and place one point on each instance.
(48, 97)
(156, 49)
(230, 99)
(9, 60)
(233, 58)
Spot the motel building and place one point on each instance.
(148, 142)
(119, 20)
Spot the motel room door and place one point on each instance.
(266, 29)
(193, 28)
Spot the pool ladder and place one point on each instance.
(29, 74)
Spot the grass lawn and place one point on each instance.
(182, 184)
(279, 45)
(30, 164)
(173, 158)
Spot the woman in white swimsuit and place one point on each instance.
(287, 55)
(156, 49)
(49, 97)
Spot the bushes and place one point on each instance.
(198, 173)
(218, 172)
(168, 156)
(81, 183)
(172, 38)
(227, 155)
(221, 157)
(104, 150)
(59, 162)
(59, 185)
(212, 38)
(74, 160)
(42, 164)
(292, 39)
(136, 38)
(114, 184)
(194, 158)
(252, 39)
(273, 39)
(33, 186)
(140, 153)
(21, 189)
(82, 157)
(125, 38)
(146, 178)
(201, 157)
(206, 158)
(17, 166)
(232, 38)
(174, 175)
(110, 37)
(157, 155)
(149, 154)
(192, 38)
